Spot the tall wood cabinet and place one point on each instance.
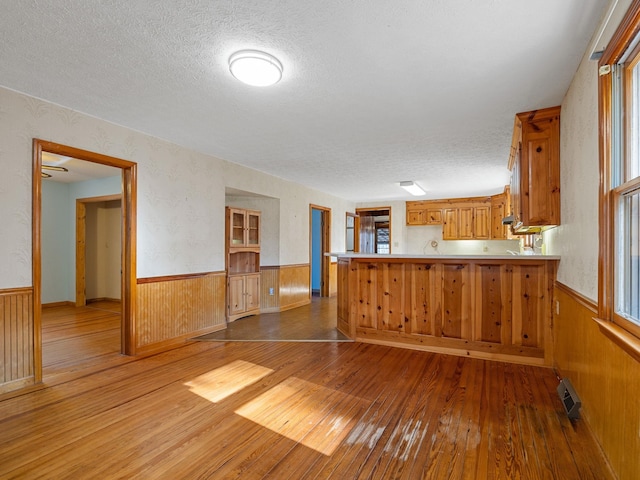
(242, 262)
(535, 170)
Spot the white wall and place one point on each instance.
(576, 240)
(56, 236)
(181, 193)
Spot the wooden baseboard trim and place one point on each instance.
(521, 360)
(103, 299)
(58, 304)
(270, 310)
(18, 387)
(176, 342)
(295, 305)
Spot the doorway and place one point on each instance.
(373, 226)
(128, 240)
(319, 244)
(98, 249)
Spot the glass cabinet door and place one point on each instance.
(253, 229)
(237, 228)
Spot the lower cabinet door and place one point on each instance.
(237, 297)
(252, 292)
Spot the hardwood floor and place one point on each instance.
(298, 410)
(77, 340)
(314, 322)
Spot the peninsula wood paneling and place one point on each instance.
(606, 379)
(493, 297)
(295, 286)
(333, 279)
(17, 344)
(170, 310)
(343, 323)
(491, 309)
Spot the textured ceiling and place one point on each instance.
(373, 92)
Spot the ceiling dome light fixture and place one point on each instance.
(255, 68)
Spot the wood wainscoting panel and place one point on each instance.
(291, 287)
(606, 379)
(17, 344)
(269, 282)
(295, 286)
(173, 309)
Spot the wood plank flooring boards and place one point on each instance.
(301, 411)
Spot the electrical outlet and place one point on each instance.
(557, 307)
(271, 291)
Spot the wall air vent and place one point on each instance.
(569, 398)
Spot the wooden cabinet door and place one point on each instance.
(450, 224)
(415, 217)
(433, 216)
(252, 292)
(236, 295)
(465, 223)
(481, 223)
(540, 175)
(498, 212)
(514, 188)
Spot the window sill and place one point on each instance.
(618, 335)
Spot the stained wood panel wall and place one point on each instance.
(295, 286)
(172, 309)
(17, 343)
(269, 278)
(484, 308)
(291, 287)
(606, 379)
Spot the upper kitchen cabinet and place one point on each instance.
(243, 228)
(424, 212)
(461, 218)
(535, 170)
(500, 208)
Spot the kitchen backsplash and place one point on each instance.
(428, 241)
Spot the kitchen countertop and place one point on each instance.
(506, 256)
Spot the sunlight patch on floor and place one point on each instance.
(222, 382)
(313, 415)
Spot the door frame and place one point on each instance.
(325, 247)
(371, 211)
(129, 222)
(81, 235)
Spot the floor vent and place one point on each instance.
(569, 398)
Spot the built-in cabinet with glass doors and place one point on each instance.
(243, 262)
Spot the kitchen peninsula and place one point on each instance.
(486, 306)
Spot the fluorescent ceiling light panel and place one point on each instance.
(413, 188)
